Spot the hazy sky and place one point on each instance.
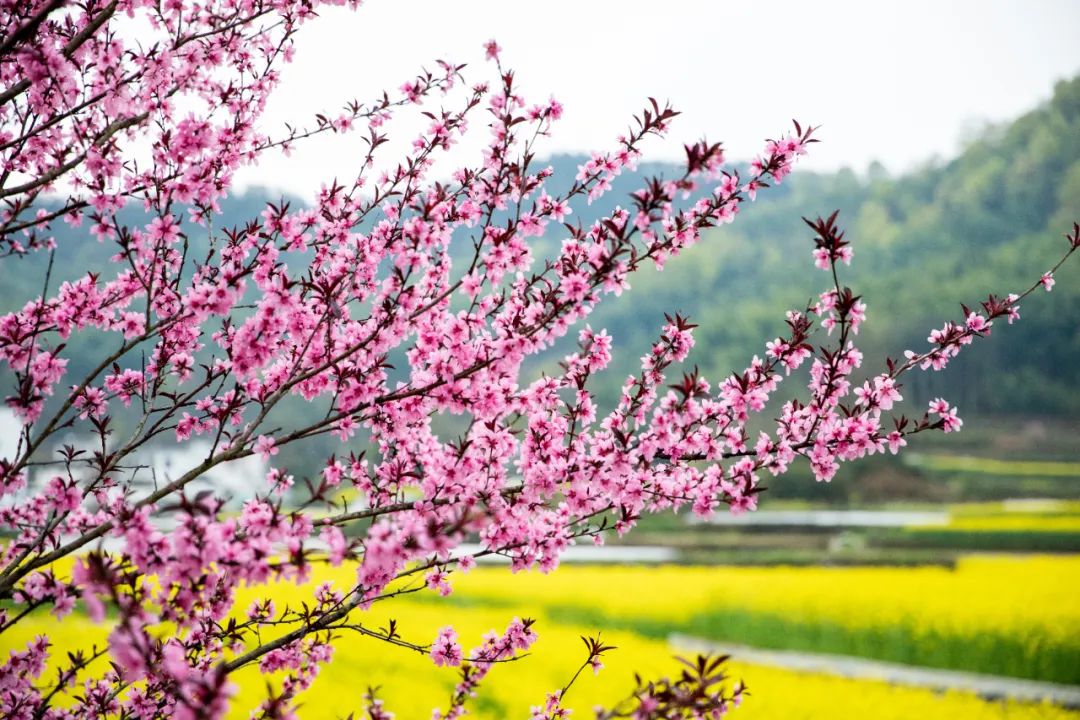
(898, 82)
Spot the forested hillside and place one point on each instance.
(989, 220)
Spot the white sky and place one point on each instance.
(899, 82)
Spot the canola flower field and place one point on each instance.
(1004, 615)
(1017, 526)
(1045, 516)
(988, 614)
(943, 462)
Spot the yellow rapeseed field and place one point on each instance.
(1015, 594)
(1042, 516)
(411, 685)
(1034, 597)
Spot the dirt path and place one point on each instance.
(990, 687)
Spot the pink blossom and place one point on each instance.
(446, 650)
(939, 406)
(977, 323)
(265, 446)
(437, 580)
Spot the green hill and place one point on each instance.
(990, 220)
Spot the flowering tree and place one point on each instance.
(398, 297)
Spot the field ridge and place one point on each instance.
(987, 687)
